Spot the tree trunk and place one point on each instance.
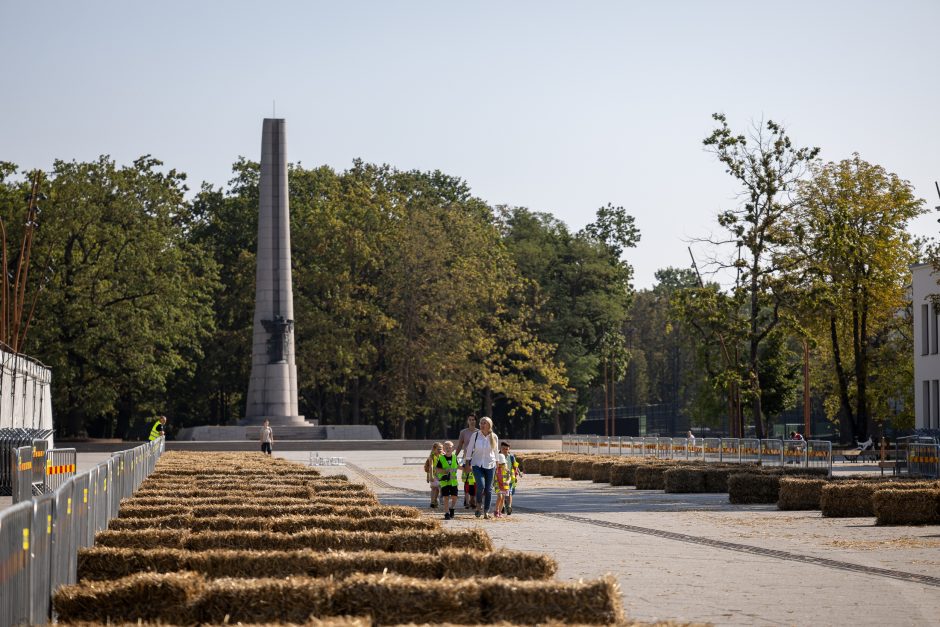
(355, 401)
(846, 414)
(488, 402)
(861, 370)
(754, 361)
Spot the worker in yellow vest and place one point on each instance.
(157, 429)
(447, 468)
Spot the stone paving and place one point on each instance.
(696, 557)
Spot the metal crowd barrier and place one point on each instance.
(923, 459)
(10, 440)
(60, 467)
(40, 537)
(768, 452)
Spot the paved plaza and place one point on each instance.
(696, 557)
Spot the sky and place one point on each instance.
(561, 107)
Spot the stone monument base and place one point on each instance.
(251, 433)
(277, 421)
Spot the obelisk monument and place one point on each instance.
(272, 390)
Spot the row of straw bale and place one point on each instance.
(421, 540)
(849, 499)
(762, 485)
(188, 598)
(250, 509)
(283, 524)
(108, 563)
(260, 499)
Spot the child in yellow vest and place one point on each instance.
(501, 483)
(430, 465)
(446, 470)
(469, 489)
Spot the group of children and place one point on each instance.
(441, 469)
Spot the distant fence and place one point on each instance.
(40, 537)
(25, 396)
(812, 453)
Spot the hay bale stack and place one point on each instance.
(684, 480)
(753, 487)
(523, 602)
(582, 469)
(800, 493)
(130, 510)
(131, 599)
(324, 540)
(529, 463)
(104, 563)
(391, 599)
(623, 473)
(600, 471)
(313, 509)
(916, 506)
(290, 524)
(652, 476)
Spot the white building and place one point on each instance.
(926, 354)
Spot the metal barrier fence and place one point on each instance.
(812, 453)
(923, 459)
(10, 440)
(60, 467)
(22, 474)
(40, 537)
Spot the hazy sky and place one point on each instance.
(557, 106)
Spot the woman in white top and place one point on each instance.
(481, 456)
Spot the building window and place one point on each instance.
(933, 329)
(924, 329)
(934, 404)
(926, 404)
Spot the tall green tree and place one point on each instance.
(128, 302)
(855, 253)
(768, 168)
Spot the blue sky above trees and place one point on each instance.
(560, 107)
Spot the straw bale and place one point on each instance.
(716, 478)
(684, 480)
(907, 506)
(420, 541)
(800, 493)
(337, 486)
(530, 464)
(847, 499)
(582, 470)
(595, 602)
(142, 538)
(806, 471)
(291, 599)
(141, 597)
(600, 471)
(175, 521)
(188, 492)
(753, 487)
(559, 467)
(391, 599)
(503, 562)
(651, 476)
(212, 500)
(131, 510)
(623, 473)
(109, 563)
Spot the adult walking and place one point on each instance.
(481, 455)
(462, 441)
(267, 437)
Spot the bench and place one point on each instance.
(855, 456)
(894, 464)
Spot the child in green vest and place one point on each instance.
(514, 473)
(447, 476)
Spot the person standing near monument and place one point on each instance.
(267, 437)
(158, 428)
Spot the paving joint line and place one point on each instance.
(709, 542)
